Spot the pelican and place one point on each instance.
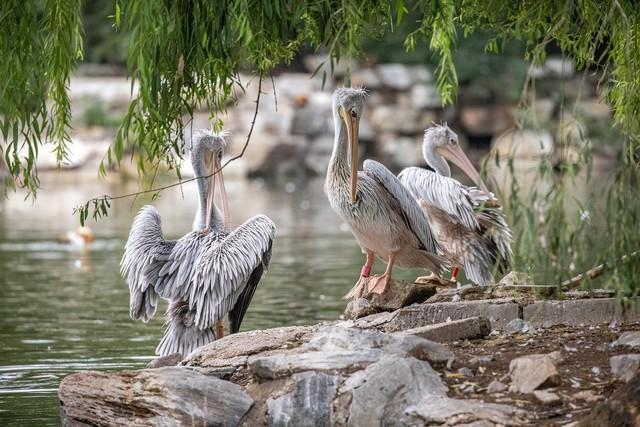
(383, 216)
(208, 273)
(468, 222)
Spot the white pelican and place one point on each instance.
(468, 222)
(208, 273)
(383, 216)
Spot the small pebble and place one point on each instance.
(496, 387)
(595, 371)
(546, 396)
(465, 371)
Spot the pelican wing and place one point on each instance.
(223, 272)
(172, 274)
(412, 212)
(145, 248)
(442, 192)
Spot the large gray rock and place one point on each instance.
(498, 311)
(629, 339)
(227, 358)
(308, 404)
(352, 339)
(359, 307)
(170, 396)
(395, 76)
(248, 343)
(625, 366)
(380, 394)
(442, 410)
(534, 371)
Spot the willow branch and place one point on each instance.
(574, 282)
(175, 184)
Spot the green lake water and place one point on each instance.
(64, 309)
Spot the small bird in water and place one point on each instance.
(82, 236)
(383, 216)
(207, 274)
(468, 222)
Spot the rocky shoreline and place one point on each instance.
(507, 361)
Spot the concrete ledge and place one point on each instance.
(579, 312)
(498, 311)
(471, 328)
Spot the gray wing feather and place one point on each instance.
(223, 270)
(442, 192)
(407, 202)
(174, 275)
(144, 251)
(494, 223)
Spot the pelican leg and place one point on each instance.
(219, 329)
(378, 284)
(356, 291)
(454, 274)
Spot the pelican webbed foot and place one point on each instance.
(378, 284)
(434, 279)
(358, 289)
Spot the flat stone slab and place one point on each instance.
(283, 365)
(248, 343)
(352, 339)
(471, 328)
(578, 312)
(442, 410)
(498, 311)
(161, 396)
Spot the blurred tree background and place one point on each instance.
(187, 54)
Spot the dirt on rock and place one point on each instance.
(584, 370)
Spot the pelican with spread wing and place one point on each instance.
(207, 274)
(468, 222)
(383, 215)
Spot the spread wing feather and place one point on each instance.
(144, 251)
(442, 192)
(223, 269)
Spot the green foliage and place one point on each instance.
(187, 53)
(40, 43)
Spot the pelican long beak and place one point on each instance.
(210, 192)
(353, 125)
(223, 193)
(455, 154)
(214, 181)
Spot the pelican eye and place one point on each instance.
(452, 141)
(353, 113)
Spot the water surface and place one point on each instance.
(65, 309)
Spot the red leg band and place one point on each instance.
(454, 273)
(366, 271)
